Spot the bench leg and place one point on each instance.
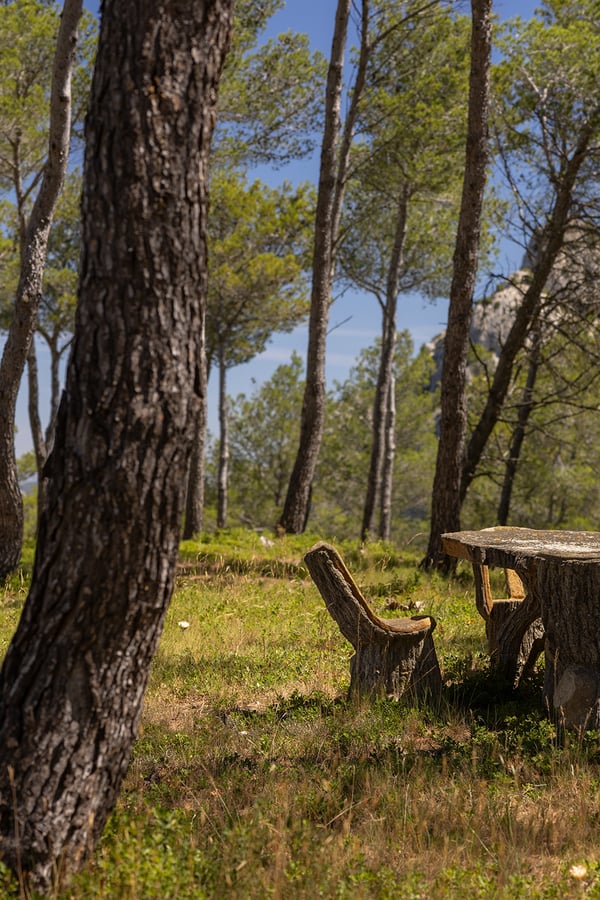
(403, 667)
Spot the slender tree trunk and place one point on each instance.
(37, 432)
(194, 504)
(551, 244)
(33, 260)
(333, 175)
(194, 508)
(387, 480)
(386, 369)
(446, 499)
(55, 356)
(223, 474)
(74, 677)
(524, 411)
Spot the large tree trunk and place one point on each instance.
(386, 370)
(74, 677)
(33, 260)
(446, 498)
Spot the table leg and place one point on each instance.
(514, 630)
(570, 595)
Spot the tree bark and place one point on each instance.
(572, 623)
(33, 260)
(446, 498)
(73, 681)
(194, 503)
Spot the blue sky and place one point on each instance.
(357, 316)
(359, 313)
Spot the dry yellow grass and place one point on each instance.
(254, 777)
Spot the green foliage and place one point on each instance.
(342, 472)
(258, 253)
(556, 483)
(263, 440)
(28, 32)
(271, 93)
(547, 92)
(269, 106)
(264, 435)
(410, 151)
(26, 466)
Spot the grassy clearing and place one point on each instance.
(254, 777)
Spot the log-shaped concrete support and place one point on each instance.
(393, 657)
(513, 625)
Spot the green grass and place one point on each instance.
(253, 776)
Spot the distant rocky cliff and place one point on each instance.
(491, 322)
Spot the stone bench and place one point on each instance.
(392, 657)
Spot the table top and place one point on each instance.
(511, 547)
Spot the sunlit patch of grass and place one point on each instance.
(254, 776)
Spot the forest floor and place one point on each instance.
(254, 776)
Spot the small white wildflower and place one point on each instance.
(183, 624)
(578, 871)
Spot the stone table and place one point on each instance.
(560, 571)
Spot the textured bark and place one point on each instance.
(74, 677)
(295, 510)
(446, 497)
(194, 503)
(34, 242)
(394, 657)
(571, 615)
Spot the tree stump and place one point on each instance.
(393, 657)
